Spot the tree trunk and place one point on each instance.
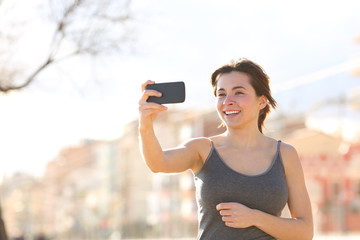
(3, 235)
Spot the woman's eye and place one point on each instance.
(238, 93)
(221, 94)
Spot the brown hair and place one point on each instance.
(259, 80)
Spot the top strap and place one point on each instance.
(278, 145)
(212, 143)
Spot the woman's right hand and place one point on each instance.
(148, 110)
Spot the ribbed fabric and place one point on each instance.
(216, 183)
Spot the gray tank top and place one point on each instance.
(217, 182)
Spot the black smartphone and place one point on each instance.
(172, 92)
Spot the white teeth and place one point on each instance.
(231, 112)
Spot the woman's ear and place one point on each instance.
(262, 102)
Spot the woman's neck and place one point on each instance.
(247, 138)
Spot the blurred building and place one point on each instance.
(331, 168)
(71, 188)
(134, 182)
(22, 204)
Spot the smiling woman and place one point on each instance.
(243, 178)
(252, 79)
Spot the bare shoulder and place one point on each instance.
(197, 142)
(287, 150)
(201, 145)
(290, 158)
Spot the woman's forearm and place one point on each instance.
(284, 228)
(150, 148)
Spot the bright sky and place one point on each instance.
(175, 40)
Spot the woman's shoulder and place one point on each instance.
(198, 143)
(201, 141)
(287, 150)
(290, 157)
(201, 145)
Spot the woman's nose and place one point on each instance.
(228, 100)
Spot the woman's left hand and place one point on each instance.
(236, 215)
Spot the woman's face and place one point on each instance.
(237, 103)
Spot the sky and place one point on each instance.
(173, 41)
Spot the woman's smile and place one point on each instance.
(231, 113)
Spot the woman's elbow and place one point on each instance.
(306, 230)
(309, 232)
(157, 168)
(154, 169)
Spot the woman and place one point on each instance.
(243, 178)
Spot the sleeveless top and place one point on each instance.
(217, 182)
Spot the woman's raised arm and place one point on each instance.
(179, 159)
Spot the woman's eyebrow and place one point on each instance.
(234, 88)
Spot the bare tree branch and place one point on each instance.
(82, 27)
(29, 78)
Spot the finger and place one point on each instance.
(152, 107)
(225, 212)
(228, 219)
(147, 94)
(143, 86)
(230, 224)
(221, 206)
(148, 109)
(148, 116)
